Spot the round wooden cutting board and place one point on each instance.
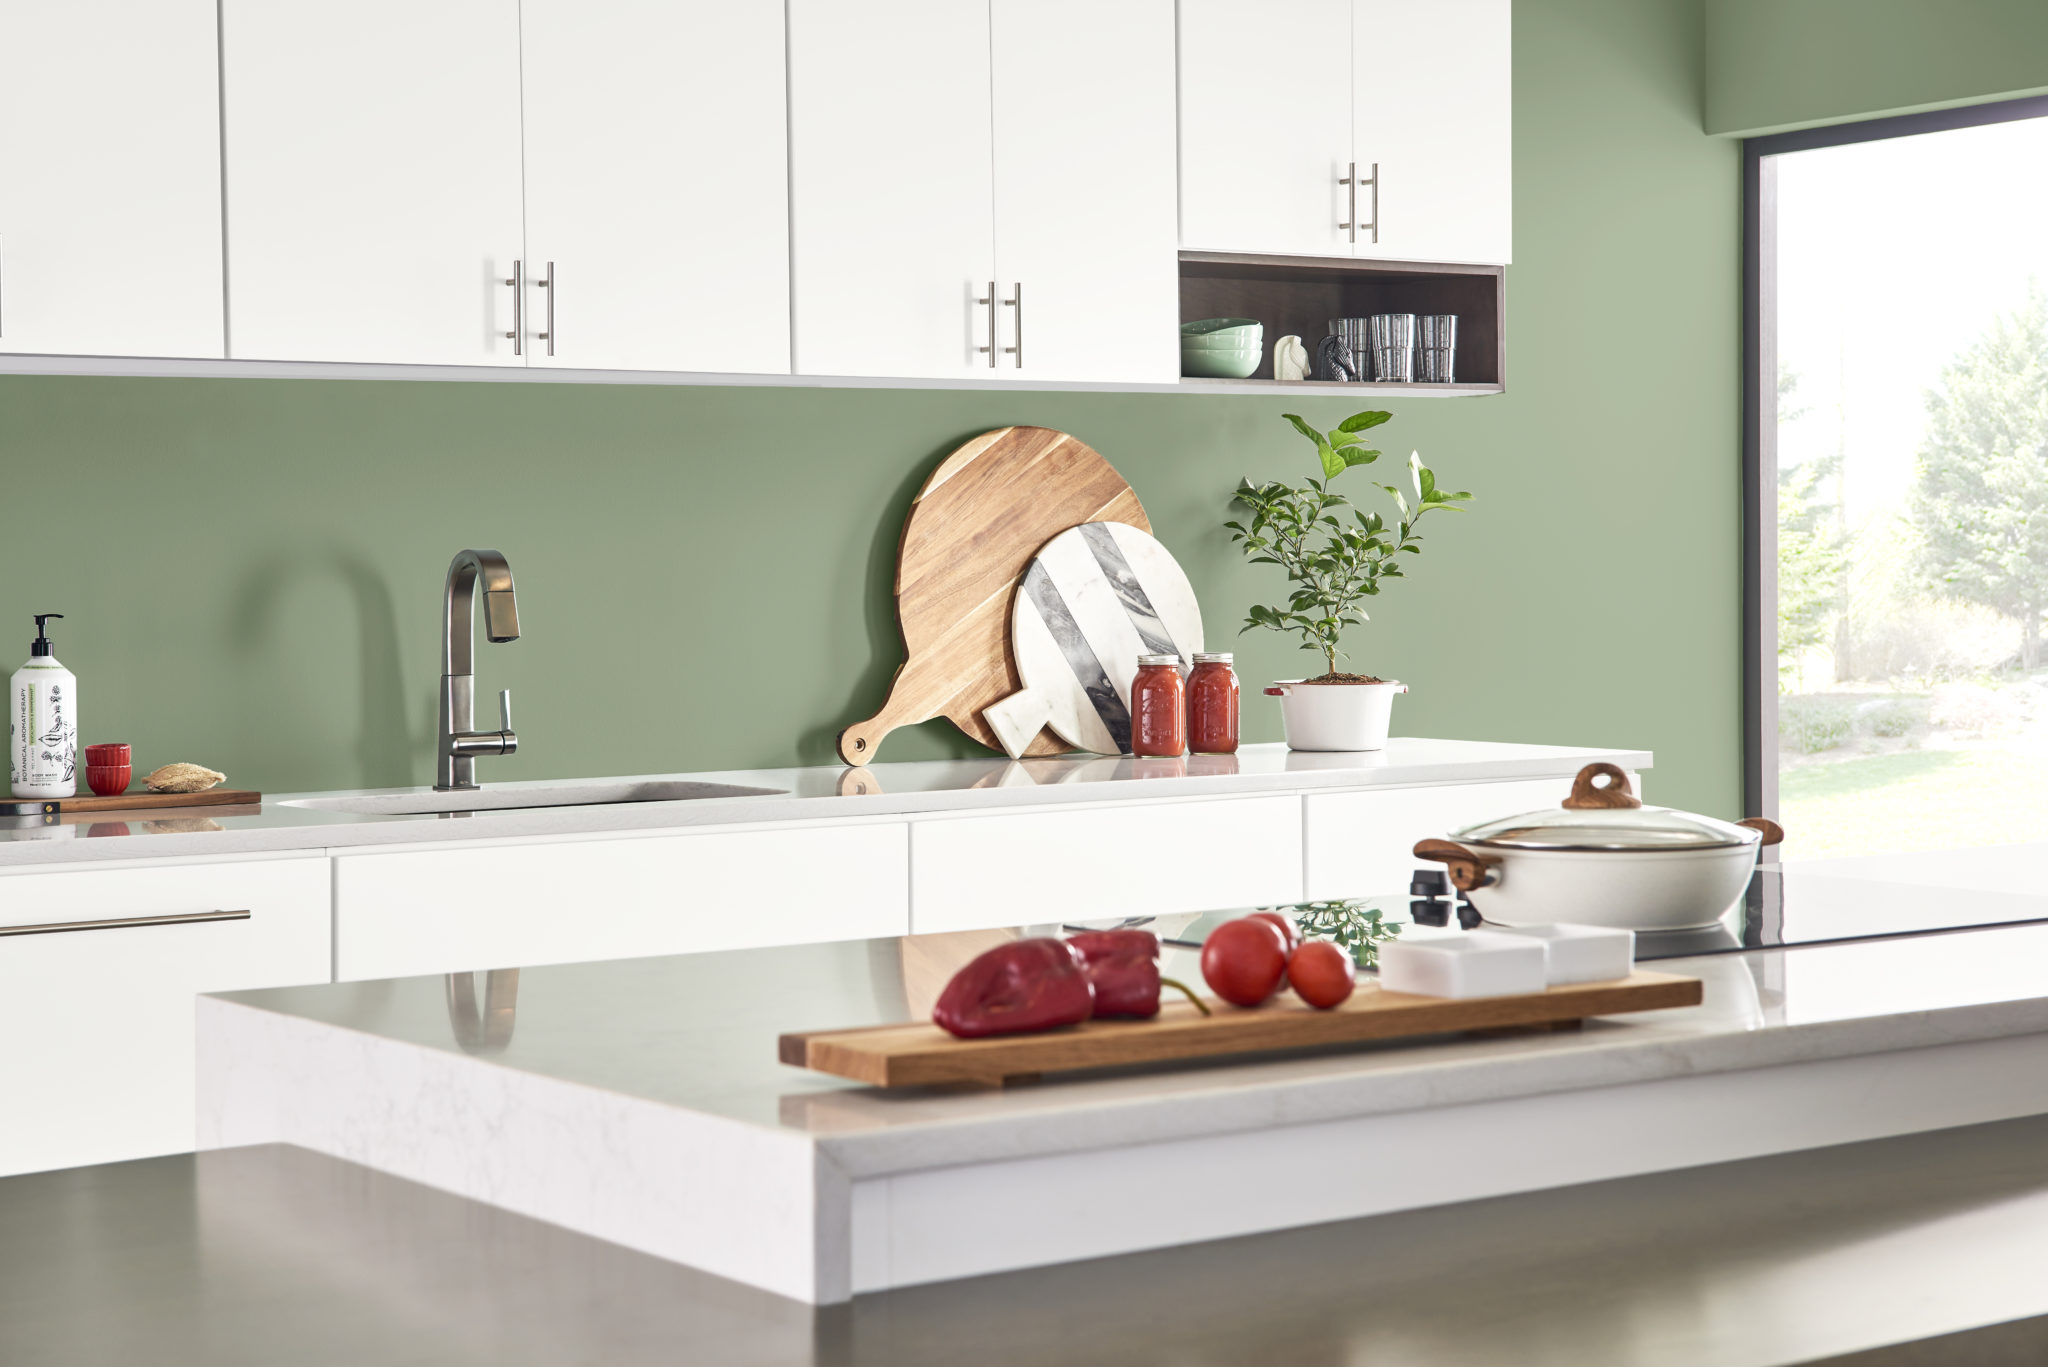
(972, 530)
(1093, 600)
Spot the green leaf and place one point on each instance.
(1333, 464)
(1305, 429)
(1354, 456)
(1359, 422)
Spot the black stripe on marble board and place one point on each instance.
(1137, 604)
(1080, 656)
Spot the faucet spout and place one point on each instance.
(457, 745)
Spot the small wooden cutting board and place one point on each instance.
(140, 800)
(922, 1054)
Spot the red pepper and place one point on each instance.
(1024, 985)
(1124, 966)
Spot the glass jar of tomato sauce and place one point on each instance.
(1212, 706)
(1159, 724)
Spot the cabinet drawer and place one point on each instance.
(1361, 844)
(1089, 864)
(503, 906)
(98, 972)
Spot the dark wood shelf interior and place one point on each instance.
(1300, 295)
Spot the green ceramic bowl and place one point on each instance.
(1208, 363)
(1230, 343)
(1249, 328)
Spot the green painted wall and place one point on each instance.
(1779, 64)
(252, 568)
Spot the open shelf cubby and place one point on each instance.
(1299, 295)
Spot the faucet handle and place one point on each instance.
(504, 709)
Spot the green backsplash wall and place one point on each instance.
(252, 568)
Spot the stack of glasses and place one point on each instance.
(1400, 348)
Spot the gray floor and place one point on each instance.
(1926, 1249)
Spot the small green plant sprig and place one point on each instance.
(1334, 564)
(1356, 928)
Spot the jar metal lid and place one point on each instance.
(1159, 659)
(1222, 657)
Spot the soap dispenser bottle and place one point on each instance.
(42, 717)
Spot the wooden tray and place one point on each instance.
(140, 800)
(922, 1054)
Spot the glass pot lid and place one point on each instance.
(1607, 816)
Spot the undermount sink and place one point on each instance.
(510, 796)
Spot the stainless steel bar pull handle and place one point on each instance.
(1016, 301)
(990, 300)
(186, 918)
(1354, 182)
(518, 284)
(548, 283)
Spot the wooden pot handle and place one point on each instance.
(1774, 834)
(1589, 797)
(1468, 870)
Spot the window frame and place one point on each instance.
(1760, 406)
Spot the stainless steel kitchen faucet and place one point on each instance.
(456, 747)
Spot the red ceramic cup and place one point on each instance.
(108, 768)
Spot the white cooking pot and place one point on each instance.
(1604, 859)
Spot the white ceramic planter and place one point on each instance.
(1335, 716)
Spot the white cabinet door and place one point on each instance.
(892, 237)
(399, 913)
(1434, 111)
(1092, 863)
(373, 179)
(99, 1061)
(1265, 125)
(1361, 844)
(109, 178)
(657, 184)
(1084, 189)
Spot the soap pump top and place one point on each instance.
(41, 645)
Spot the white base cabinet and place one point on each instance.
(1097, 862)
(99, 1059)
(404, 912)
(1362, 843)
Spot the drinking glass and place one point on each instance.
(1393, 347)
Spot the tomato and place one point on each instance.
(1320, 974)
(1281, 924)
(1244, 960)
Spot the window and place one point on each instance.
(1897, 482)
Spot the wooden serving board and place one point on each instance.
(923, 1054)
(141, 800)
(972, 529)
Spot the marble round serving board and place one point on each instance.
(1092, 600)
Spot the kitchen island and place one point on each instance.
(642, 1103)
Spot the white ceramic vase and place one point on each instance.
(1335, 716)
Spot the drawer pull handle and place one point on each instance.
(184, 918)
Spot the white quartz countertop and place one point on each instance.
(799, 794)
(699, 1032)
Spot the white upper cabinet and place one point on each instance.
(1265, 126)
(1433, 111)
(1288, 106)
(657, 185)
(1084, 189)
(109, 178)
(892, 229)
(941, 147)
(373, 179)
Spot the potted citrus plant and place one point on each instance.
(1335, 562)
